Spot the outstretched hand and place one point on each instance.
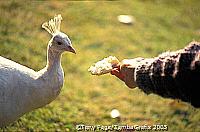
(117, 72)
(125, 72)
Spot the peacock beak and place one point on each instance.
(71, 49)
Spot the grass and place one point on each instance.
(96, 33)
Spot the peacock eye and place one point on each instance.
(59, 43)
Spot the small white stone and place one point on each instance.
(126, 19)
(114, 113)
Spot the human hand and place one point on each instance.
(125, 72)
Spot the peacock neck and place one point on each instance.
(53, 60)
(49, 80)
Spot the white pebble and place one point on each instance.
(126, 19)
(114, 113)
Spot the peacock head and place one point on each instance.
(59, 42)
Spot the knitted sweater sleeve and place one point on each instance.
(172, 74)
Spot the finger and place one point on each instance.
(118, 74)
(114, 71)
(116, 66)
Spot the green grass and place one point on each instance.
(95, 32)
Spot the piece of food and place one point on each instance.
(104, 66)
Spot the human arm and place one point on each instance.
(172, 74)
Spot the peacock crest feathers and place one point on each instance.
(53, 25)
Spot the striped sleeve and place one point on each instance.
(172, 74)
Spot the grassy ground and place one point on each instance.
(96, 33)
